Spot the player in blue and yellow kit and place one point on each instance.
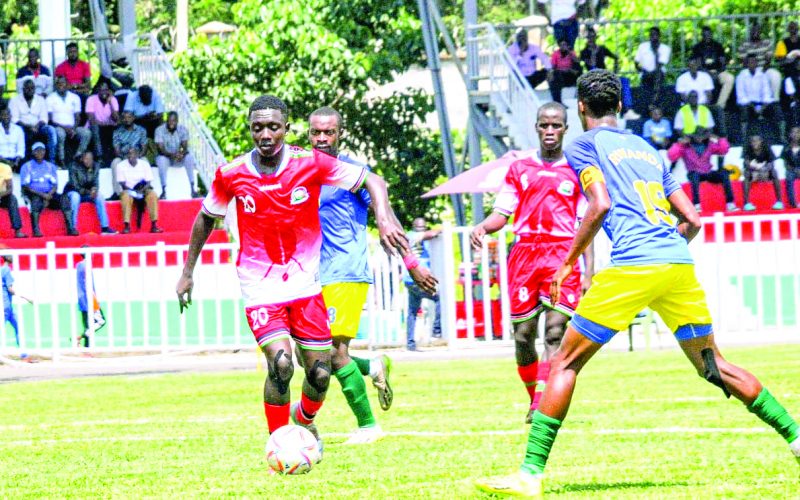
(346, 276)
(631, 195)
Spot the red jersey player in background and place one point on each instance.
(543, 194)
(276, 187)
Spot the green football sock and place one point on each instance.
(540, 440)
(767, 408)
(363, 365)
(355, 392)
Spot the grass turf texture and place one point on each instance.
(203, 435)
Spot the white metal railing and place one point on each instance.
(510, 95)
(153, 68)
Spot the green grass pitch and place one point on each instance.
(642, 425)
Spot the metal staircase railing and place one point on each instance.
(152, 67)
(501, 86)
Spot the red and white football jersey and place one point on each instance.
(278, 217)
(544, 197)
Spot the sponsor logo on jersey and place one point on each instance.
(545, 173)
(567, 188)
(269, 187)
(299, 195)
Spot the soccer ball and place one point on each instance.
(292, 450)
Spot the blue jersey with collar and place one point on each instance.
(343, 218)
(639, 224)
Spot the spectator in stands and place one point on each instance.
(147, 108)
(135, 176)
(78, 73)
(29, 111)
(12, 141)
(83, 187)
(9, 201)
(172, 141)
(64, 107)
(657, 130)
(762, 50)
(39, 183)
(526, 55)
(102, 110)
(759, 166)
(755, 98)
(692, 115)
(127, 136)
(8, 292)
(787, 51)
(566, 69)
(696, 151)
(34, 67)
(651, 59)
(694, 79)
(593, 56)
(563, 16)
(714, 60)
(791, 161)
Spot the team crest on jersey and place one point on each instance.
(567, 188)
(299, 195)
(248, 204)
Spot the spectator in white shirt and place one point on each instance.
(29, 111)
(651, 59)
(172, 141)
(696, 80)
(756, 102)
(65, 112)
(135, 175)
(12, 141)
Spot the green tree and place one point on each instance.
(320, 52)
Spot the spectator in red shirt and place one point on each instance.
(77, 72)
(566, 69)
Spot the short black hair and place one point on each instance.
(71, 45)
(328, 111)
(267, 101)
(656, 29)
(172, 113)
(552, 105)
(600, 91)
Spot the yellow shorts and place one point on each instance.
(618, 294)
(345, 302)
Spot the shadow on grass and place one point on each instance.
(617, 486)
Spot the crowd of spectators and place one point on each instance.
(60, 120)
(707, 109)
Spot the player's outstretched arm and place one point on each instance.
(689, 223)
(391, 232)
(201, 230)
(599, 205)
(489, 225)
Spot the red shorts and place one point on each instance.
(531, 267)
(305, 320)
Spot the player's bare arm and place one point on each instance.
(391, 233)
(490, 225)
(688, 219)
(599, 205)
(588, 272)
(201, 230)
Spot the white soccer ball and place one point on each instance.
(292, 450)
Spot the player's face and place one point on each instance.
(323, 133)
(551, 127)
(268, 129)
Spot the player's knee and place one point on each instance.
(281, 370)
(553, 335)
(525, 332)
(319, 376)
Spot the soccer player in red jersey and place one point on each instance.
(276, 187)
(543, 193)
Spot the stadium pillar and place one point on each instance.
(54, 22)
(127, 24)
(473, 138)
(435, 67)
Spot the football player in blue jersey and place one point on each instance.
(633, 197)
(346, 277)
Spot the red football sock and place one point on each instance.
(277, 416)
(541, 382)
(527, 374)
(307, 410)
